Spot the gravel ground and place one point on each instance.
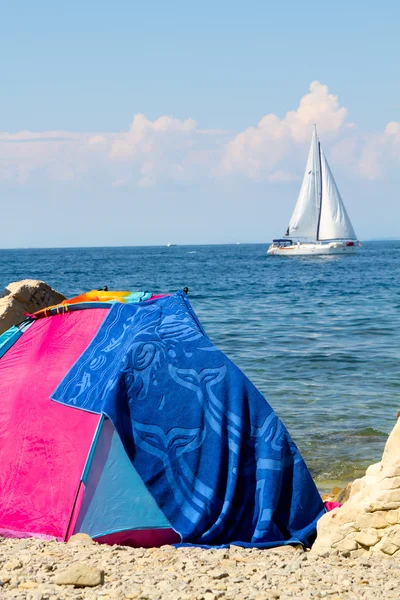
(38, 570)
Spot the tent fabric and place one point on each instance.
(116, 501)
(140, 538)
(8, 339)
(211, 451)
(11, 335)
(86, 299)
(43, 445)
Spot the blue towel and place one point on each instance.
(210, 449)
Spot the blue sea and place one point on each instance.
(319, 336)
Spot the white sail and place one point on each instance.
(319, 214)
(304, 221)
(334, 221)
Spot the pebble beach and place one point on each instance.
(35, 570)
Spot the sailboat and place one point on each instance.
(320, 223)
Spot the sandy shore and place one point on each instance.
(36, 570)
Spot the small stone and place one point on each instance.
(220, 586)
(28, 585)
(347, 544)
(294, 566)
(377, 520)
(13, 564)
(388, 548)
(80, 575)
(367, 538)
(81, 538)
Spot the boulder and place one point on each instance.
(26, 296)
(369, 520)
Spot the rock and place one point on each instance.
(388, 547)
(81, 538)
(332, 495)
(391, 483)
(80, 575)
(344, 494)
(370, 518)
(376, 520)
(26, 296)
(346, 544)
(13, 564)
(367, 538)
(28, 585)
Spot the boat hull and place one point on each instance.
(316, 249)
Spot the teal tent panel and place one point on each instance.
(8, 338)
(115, 499)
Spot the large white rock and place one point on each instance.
(26, 296)
(369, 522)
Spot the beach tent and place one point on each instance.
(119, 418)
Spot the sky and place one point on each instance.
(143, 123)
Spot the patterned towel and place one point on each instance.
(208, 446)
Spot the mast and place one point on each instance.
(320, 182)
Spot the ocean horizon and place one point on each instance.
(173, 244)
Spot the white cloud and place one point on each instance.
(32, 137)
(96, 140)
(147, 137)
(158, 149)
(369, 163)
(392, 133)
(171, 149)
(53, 155)
(371, 156)
(258, 150)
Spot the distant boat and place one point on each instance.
(320, 223)
(169, 244)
